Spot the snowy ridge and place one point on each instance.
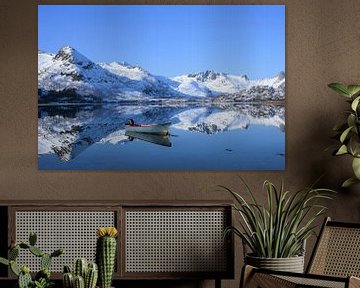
(69, 76)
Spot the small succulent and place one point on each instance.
(84, 275)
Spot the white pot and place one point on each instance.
(291, 264)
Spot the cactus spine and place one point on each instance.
(24, 280)
(91, 276)
(23, 273)
(89, 272)
(106, 254)
(68, 280)
(80, 267)
(79, 282)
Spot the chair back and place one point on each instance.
(337, 251)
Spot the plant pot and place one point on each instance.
(291, 264)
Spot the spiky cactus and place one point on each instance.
(79, 282)
(106, 254)
(68, 280)
(24, 278)
(80, 268)
(87, 272)
(91, 276)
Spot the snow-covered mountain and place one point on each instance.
(211, 83)
(69, 76)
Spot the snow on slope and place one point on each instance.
(211, 83)
(210, 121)
(70, 71)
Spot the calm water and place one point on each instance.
(203, 137)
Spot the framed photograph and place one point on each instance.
(161, 87)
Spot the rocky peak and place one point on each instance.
(281, 75)
(71, 55)
(205, 76)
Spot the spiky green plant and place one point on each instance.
(42, 278)
(106, 254)
(348, 132)
(279, 229)
(84, 273)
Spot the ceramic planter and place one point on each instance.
(291, 264)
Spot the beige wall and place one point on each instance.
(323, 46)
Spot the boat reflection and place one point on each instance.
(152, 138)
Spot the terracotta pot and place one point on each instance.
(291, 264)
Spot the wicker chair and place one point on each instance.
(334, 263)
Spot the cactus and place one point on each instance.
(43, 274)
(24, 280)
(57, 252)
(13, 253)
(90, 272)
(68, 280)
(105, 254)
(14, 268)
(32, 239)
(4, 261)
(42, 278)
(79, 282)
(80, 267)
(36, 251)
(45, 261)
(91, 276)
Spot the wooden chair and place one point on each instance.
(334, 263)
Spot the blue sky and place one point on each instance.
(171, 40)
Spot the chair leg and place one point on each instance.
(250, 278)
(217, 283)
(246, 274)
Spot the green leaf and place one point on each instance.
(353, 89)
(351, 120)
(354, 145)
(342, 150)
(349, 182)
(345, 134)
(340, 127)
(340, 88)
(14, 268)
(356, 167)
(4, 261)
(355, 103)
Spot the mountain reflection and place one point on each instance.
(68, 130)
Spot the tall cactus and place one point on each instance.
(106, 254)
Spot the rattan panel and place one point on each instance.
(175, 241)
(312, 282)
(75, 231)
(338, 253)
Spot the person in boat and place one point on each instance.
(130, 122)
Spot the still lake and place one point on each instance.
(203, 136)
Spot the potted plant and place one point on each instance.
(276, 233)
(348, 132)
(42, 278)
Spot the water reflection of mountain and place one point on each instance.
(68, 130)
